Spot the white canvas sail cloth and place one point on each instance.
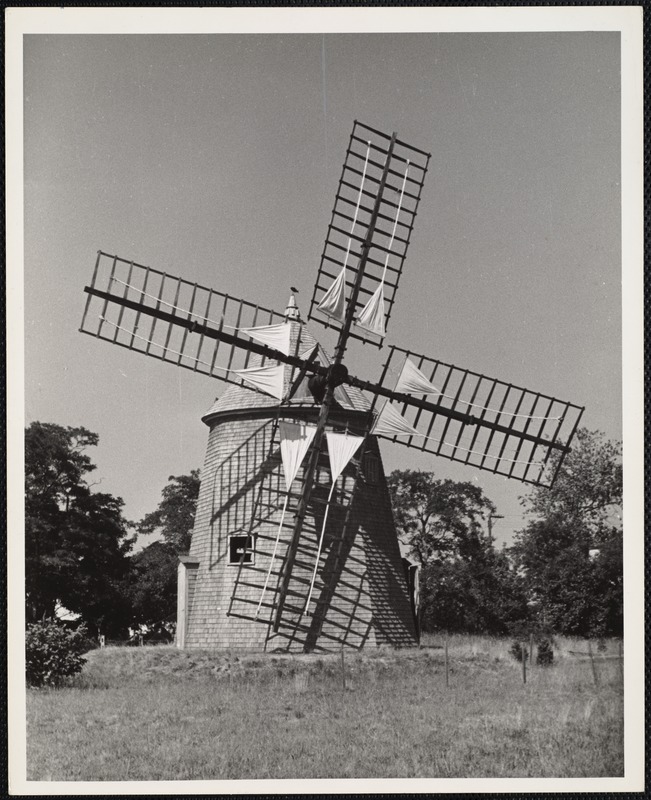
(391, 423)
(276, 336)
(333, 302)
(413, 381)
(371, 317)
(341, 448)
(269, 379)
(295, 441)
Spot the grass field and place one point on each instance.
(156, 713)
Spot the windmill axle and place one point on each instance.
(318, 384)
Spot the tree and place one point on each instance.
(588, 488)
(438, 519)
(466, 585)
(76, 540)
(174, 517)
(153, 584)
(483, 596)
(153, 578)
(570, 552)
(55, 463)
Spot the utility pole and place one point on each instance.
(491, 517)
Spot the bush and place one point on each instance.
(544, 647)
(519, 651)
(545, 657)
(53, 652)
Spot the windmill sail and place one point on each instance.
(333, 302)
(295, 440)
(269, 379)
(276, 336)
(341, 447)
(474, 419)
(371, 317)
(391, 423)
(413, 381)
(370, 229)
(183, 323)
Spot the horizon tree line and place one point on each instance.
(562, 574)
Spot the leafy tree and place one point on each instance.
(479, 596)
(438, 519)
(76, 540)
(55, 463)
(174, 516)
(570, 553)
(608, 576)
(588, 488)
(466, 585)
(153, 584)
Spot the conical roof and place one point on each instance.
(239, 398)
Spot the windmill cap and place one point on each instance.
(292, 312)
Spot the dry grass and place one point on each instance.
(160, 714)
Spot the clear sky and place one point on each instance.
(216, 158)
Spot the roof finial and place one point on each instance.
(292, 312)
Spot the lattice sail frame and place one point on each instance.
(369, 153)
(494, 426)
(266, 510)
(127, 282)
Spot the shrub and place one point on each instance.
(545, 657)
(519, 651)
(53, 652)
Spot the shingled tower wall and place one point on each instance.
(360, 596)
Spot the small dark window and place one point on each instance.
(371, 468)
(240, 544)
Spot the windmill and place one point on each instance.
(294, 545)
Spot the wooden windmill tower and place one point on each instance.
(294, 545)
